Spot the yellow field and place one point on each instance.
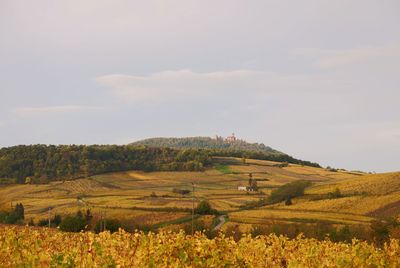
(130, 195)
(361, 205)
(265, 216)
(376, 184)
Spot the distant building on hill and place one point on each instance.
(231, 138)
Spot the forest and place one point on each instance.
(44, 163)
(260, 156)
(220, 147)
(206, 143)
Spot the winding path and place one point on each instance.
(221, 222)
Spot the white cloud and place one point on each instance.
(330, 58)
(184, 84)
(48, 110)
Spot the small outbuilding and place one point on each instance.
(242, 188)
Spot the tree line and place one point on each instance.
(284, 158)
(44, 163)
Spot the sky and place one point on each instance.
(319, 80)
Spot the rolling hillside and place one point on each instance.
(147, 197)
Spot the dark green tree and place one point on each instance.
(20, 211)
(204, 208)
(111, 225)
(73, 224)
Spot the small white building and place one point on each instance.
(242, 188)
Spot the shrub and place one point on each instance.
(10, 218)
(204, 208)
(335, 194)
(289, 190)
(73, 224)
(180, 191)
(56, 220)
(43, 222)
(111, 225)
(288, 202)
(198, 226)
(13, 217)
(282, 165)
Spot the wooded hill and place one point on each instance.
(44, 163)
(220, 147)
(206, 143)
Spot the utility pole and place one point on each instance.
(49, 217)
(101, 221)
(193, 209)
(193, 225)
(105, 227)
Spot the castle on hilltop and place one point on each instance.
(229, 139)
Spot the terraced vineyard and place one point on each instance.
(139, 197)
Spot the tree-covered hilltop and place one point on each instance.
(44, 163)
(222, 147)
(206, 143)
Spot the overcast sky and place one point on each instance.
(319, 80)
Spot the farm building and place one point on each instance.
(242, 188)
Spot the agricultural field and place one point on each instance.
(148, 198)
(266, 216)
(52, 248)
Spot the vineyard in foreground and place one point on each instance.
(28, 247)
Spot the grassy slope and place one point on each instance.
(127, 194)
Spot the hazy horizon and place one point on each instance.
(318, 80)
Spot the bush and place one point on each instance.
(10, 218)
(180, 191)
(198, 226)
(73, 224)
(204, 208)
(13, 217)
(288, 202)
(282, 165)
(43, 223)
(55, 221)
(111, 225)
(254, 204)
(335, 194)
(289, 190)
